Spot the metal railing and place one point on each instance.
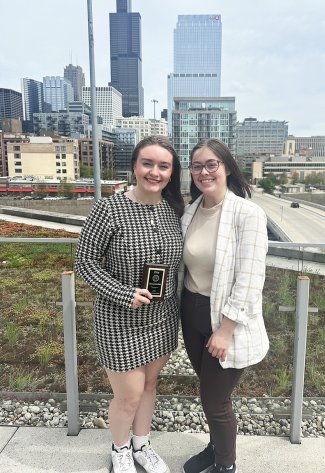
(70, 341)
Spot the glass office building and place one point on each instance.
(32, 93)
(197, 59)
(58, 92)
(126, 61)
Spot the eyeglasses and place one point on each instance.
(210, 166)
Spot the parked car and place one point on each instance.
(295, 205)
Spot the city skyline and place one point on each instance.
(272, 54)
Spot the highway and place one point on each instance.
(305, 224)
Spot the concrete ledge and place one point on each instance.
(276, 230)
(44, 215)
(293, 253)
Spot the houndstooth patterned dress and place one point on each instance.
(118, 237)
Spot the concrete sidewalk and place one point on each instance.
(40, 450)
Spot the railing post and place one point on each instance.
(299, 358)
(70, 351)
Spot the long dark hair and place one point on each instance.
(172, 192)
(236, 182)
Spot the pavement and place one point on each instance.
(50, 450)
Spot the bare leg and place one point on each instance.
(143, 417)
(128, 389)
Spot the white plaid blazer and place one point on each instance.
(238, 278)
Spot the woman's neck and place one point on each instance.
(145, 198)
(209, 201)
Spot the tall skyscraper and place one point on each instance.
(11, 105)
(77, 78)
(58, 92)
(33, 99)
(197, 59)
(126, 62)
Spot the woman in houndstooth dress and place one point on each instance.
(134, 334)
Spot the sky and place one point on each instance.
(273, 51)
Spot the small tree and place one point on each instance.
(108, 174)
(283, 179)
(40, 190)
(294, 177)
(65, 189)
(271, 177)
(267, 185)
(86, 171)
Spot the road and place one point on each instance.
(304, 224)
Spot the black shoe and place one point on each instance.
(202, 462)
(224, 469)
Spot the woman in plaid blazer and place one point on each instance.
(225, 245)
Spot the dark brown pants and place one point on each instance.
(216, 383)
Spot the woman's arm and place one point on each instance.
(249, 273)
(94, 240)
(220, 339)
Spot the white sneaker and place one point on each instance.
(150, 460)
(123, 461)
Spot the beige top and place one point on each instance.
(200, 249)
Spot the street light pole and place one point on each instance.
(96, 162)
(154, 112)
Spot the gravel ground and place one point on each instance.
(256, 416)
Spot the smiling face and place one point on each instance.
(153, 169)
(213, 185)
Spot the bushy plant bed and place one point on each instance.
(31, 330)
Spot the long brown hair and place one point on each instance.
(172, 192)
(236, 182)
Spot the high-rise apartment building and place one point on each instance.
(197, 59)
(33, 99)
(196, 119)
(260, 137)
(126, 57)
(77, 78)
(58, 92)
(11, 104)
(108, 103)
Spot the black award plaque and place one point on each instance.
(154, 279)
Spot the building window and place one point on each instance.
(16, 148)
(64, 156)
(58, 156)
(16, 156)
(18, 171)
(17, 163)
(64, 171)
(58, 164)
(58, 171)
(63, 164)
